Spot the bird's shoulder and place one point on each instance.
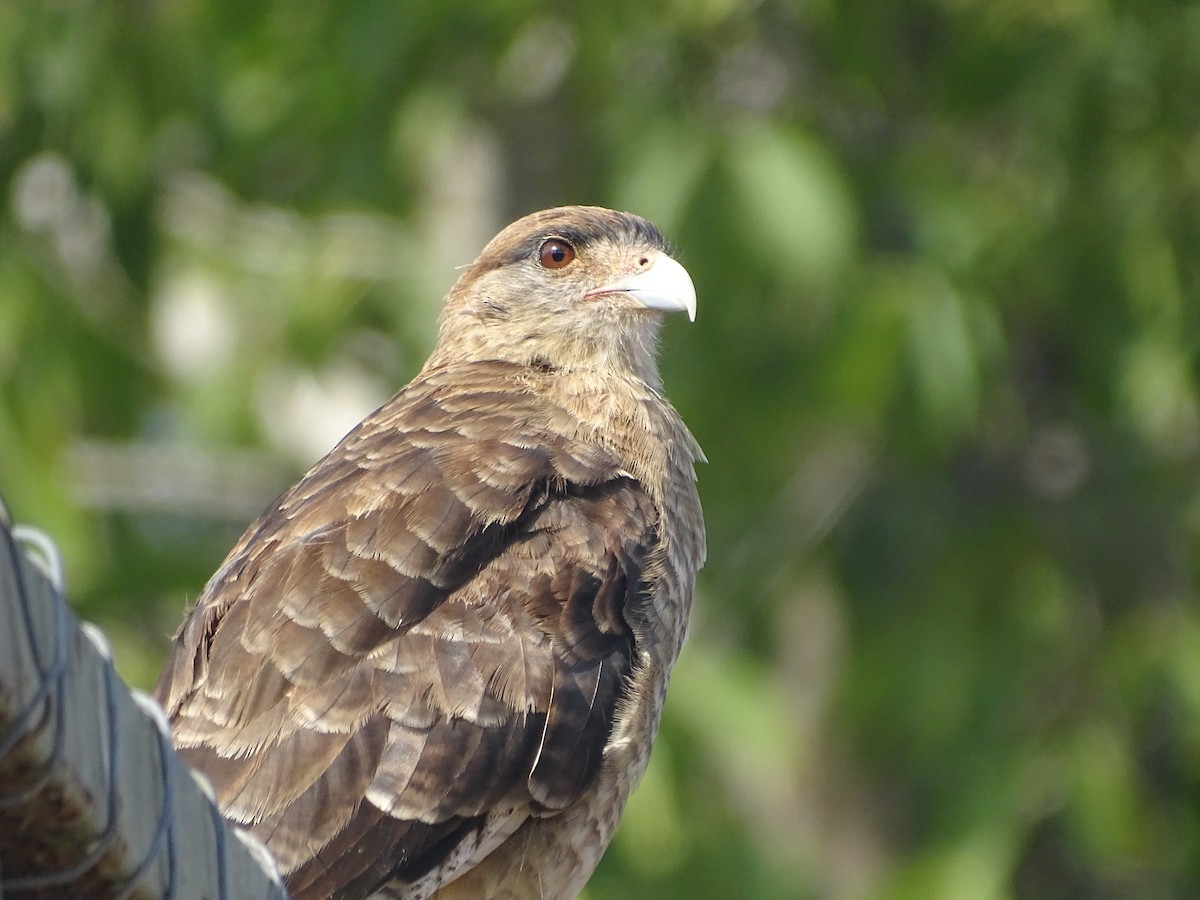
(436, 618)
(418, 489)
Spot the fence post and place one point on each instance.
(94, 801)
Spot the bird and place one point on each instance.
(435, 666)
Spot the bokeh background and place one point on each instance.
(947, 644)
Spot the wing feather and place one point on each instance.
(423, 642)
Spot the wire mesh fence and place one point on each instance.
(94, 801)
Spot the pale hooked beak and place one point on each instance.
(666, 285)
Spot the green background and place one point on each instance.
(947, 643)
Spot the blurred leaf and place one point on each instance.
(946, 358)
(792, 203)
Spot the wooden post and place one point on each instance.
(93, 800)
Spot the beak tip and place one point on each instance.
(665, 286)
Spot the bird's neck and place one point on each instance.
(629, 357)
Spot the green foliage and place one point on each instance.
(944, 371)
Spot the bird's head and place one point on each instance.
(567, 288)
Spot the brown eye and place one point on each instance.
(556, 253)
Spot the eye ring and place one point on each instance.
(555, 253)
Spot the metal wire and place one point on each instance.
(49, 693)
(24, 546)
(51, 677)
(166, 816)
(109, 832)
(43, 553)
(218, 823)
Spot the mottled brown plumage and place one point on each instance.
(436, 664)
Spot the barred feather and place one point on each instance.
(436, 664)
